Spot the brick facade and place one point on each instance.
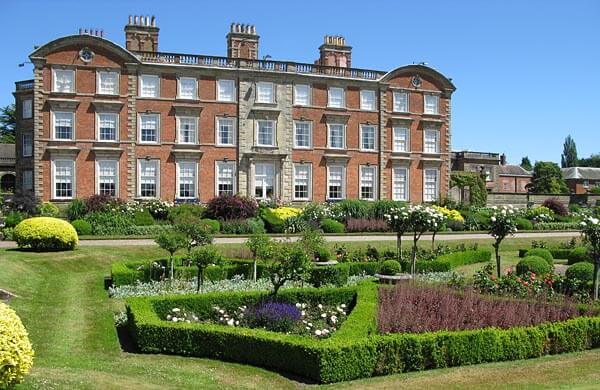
(88, 55)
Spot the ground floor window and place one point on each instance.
(148, 178)
(368, 181)
(186, 179)
(63, 178)
(225, 178)
(430, 185)
(108, 174)
(302, 181)
(336, 182)
(264, 180)
(27, 180)
(400, 183)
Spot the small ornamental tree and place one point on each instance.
(590, 228)
(196, 233)
(204, 257)
(398, 218)
(171, 242)
(422, 218)
(503, 223)
(261, 247)
(290, 262)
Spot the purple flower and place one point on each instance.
(275, 316)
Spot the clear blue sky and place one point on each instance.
(527, 72)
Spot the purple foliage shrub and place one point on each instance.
(366, 225)
(555, 205)
(227, 207)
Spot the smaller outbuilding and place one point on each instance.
(581, 180)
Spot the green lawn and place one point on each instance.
(69, 317)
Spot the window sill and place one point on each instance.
(302, 148)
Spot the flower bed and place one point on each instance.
(354, 351)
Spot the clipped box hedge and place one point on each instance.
(355, 350)
(450, 261)
(557, 253)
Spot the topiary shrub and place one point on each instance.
(212, 225)
(524, 224)
(578, 254)
(48, 209)
(16, 354)
(184, 210)
(45, 234)
(143, 218)
(534, 264)
(543, 253)
(226, 207)
(322, 254)
(83, 227)
(583, 272)
(390, 267)
(332, 226)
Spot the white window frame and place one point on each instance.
(437, 185)
(27, 109)
(310, 135)
(362, 146)
(98, 163)
(194, 120)
(329, 145)
(343, 167)
(263, 187)
(149, 76)
(406, 141)
(54, 126)
(268, 85)
(363, 94)
(98, 114)
(329, 101)
(218, 132)
(73, 178)
(233, 90)
(55, 78)
(140, 116)
(436, 111)
(27, 180)
(309, 182)
(178, 179)
(139, 178)
(437, 142)
(179, 89)
(360, 179)
(99, 75)
(217, 177)
(406, 183)
(309, 95)
(396, 103)
(27, 149)
(273, 133)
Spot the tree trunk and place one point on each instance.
(433, 240)
(595, 284)
(497, 249)
(199, 279)
(399, 246)
(172, 267)
(254, 270)
(413, 265)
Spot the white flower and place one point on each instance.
(302, 313)
(343, 305)
(298, 305)
(169, 317)
(174, 319)
(493, 219)
(320, 306)
(318, 332)
(323, 315)
(176, 310)
(230, 322)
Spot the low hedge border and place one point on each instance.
(449, 261)
(557, 253)
(355, 350)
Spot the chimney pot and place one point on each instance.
(130, 19)
(153, 21)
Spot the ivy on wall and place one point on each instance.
(474, 182)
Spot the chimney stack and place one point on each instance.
(141, 33)
(242, 41)
(335, 52)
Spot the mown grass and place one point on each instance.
(70, 320)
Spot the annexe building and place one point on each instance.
(137, 123)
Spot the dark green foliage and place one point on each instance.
(592, 161)
(543, 253)
(8, 121)
(474, 182)
(48, 209)
(83, 227)
(351, 208)
(582, 272)
(526, 164)
(184, 211)
(534, 264)
(524, 224)
(390, 267)
(76, 210)
(329, 275)
(548, 179)
(568, 158)
(578, 255)
(243, 226)
(143, 218)
(105, 224)
(212, 225)
(13, 218)
(332, 226)
(273, 223)
(557, 226)
(323, 254)
(449, 261)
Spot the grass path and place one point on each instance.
(70, 320)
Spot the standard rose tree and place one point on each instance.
(502, 224)
(590, 228)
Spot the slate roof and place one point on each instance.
(513, 170)
(7, 154)
(584, 173)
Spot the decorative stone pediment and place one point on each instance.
(62, 150)
(107, 150)
(63, 104)
(333, 156)
(187, 109)
(107, 105)
(336, 117)
(191, 152)
(265, 112)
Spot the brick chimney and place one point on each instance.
(242, 41)
(141, 34)
(335, 52)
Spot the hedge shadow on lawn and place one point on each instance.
(356, 350)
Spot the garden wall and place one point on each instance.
(522, 200)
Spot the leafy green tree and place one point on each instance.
(8, 122)
(204, 257)
(197, 234)
(171, 242)
(548, 179)
(569, 154)
(592, 161)
(261, 247)
(290, 262)
(399, 220)
(590, 228)
(502, 224)
(526, 164)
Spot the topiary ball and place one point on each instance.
(583, 272)
(16, 354)
(578, 254)
(45, 234)
(332, 226)
(534, 264)
(543, 253)
(390, 268)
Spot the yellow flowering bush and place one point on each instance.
(16, 354)
(45, 234)
(452, 215)
(284, 213)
